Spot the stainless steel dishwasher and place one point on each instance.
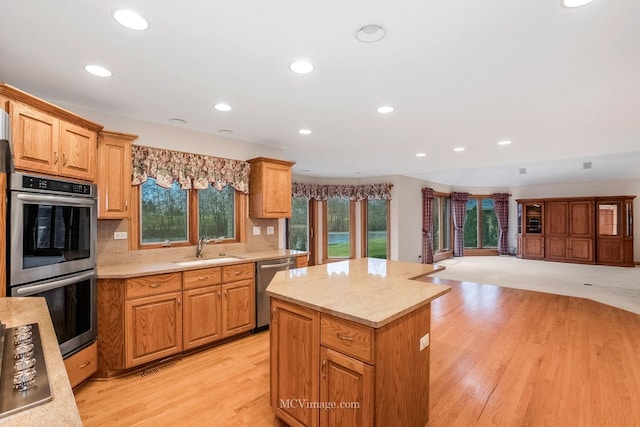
(265, 270)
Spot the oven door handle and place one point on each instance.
(46, 198)
(35, 289)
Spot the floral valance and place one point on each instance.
(351, 192)
(189, 170)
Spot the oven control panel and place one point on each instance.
(46, 184)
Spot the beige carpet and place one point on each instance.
(616, 286)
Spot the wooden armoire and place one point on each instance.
(589, 230)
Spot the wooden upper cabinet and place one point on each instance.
(114, 174)
(48, 139)
(270, 188)
(36, 137)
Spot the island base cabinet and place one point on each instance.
(346, 385)
(295, 344)
(82, 364)
(365, 376)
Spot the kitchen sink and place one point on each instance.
(211, 261)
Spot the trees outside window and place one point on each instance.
(339, 233)
(481, 229)
(298, 225)
(164, 213)
(376, 227)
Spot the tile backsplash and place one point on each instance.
(112, 251)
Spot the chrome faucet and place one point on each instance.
(202, 243)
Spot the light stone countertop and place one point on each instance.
(127, 270)
(369, 291)
(62, 409)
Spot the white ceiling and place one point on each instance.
(562, 84)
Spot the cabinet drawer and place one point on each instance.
(153, 285)
(347, 337)
(82, 365)
(200, 278)
(231, 273)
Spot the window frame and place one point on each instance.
(312, 226)
(364, 205)
(438, 253)
(135, 243)
(352, 233)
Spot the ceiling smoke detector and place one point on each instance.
(370, 33)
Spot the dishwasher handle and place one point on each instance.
(272, 266)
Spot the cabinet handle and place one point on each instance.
(85, 365)
(179, 301)
(64, 159)
(225, 293)
(126, 205)
(219, 296)
(344, 337)
(55, 157)
(203, 277)
(324, 362)
(237, 273)
(154, 285)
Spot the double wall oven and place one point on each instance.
(52, 227)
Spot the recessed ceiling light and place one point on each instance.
(222, 107)
(131, 20)
(504, 142)
(370, 33)
(304, 132)
(458, 149)
(97, 70)
(225, 131)
(385, 109)
(421, 155)
(575, 3)
(178, 121)
(301, 67)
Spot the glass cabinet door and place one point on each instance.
(533, 218)
(609, 219)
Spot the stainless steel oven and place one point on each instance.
(72, 302)
(52, 228)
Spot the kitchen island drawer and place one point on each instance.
(154, 285)
(203, 277)
(347, 337)
(231, 273)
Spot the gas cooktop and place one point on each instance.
(23, 373)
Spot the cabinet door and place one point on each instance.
(238, 307)
(78, 146)
(35, 139)
(347, 382)
(533, 247)
(295, 340)
(202, 316)
(277, 185)
(153, 328)
(114, 178)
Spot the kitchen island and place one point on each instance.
(350, 343)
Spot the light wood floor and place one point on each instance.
(499, 356)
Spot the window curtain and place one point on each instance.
(501, 206)
(351, 192)
(189, 170)
(459, 207)
(427, 225)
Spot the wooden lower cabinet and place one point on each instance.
(153, 328)
(202, 316)
(143, 319)
(82, 364)
(533, 247)
(302, 261)
(347, 380)
(363, 376)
